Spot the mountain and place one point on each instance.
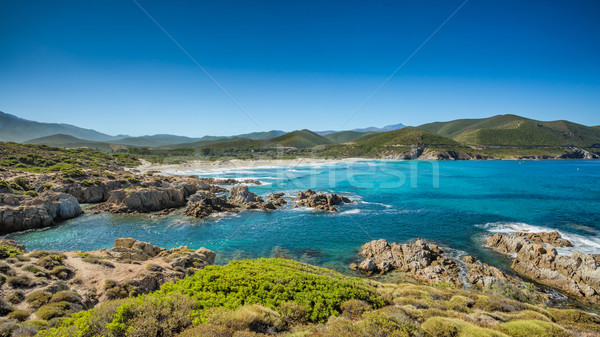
(15, 129)
(363, 130)
(262, 135)
(155, 140)
(346, 136)
(512, 130)
(68, 141)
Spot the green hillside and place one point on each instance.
(346, 136)
(299, 139)
(511, 130)
(406, 136)
(154, 140)
(68, 141)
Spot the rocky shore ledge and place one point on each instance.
(31, 201)
(45, 285)
(538, 259)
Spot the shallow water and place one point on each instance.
(452, 203)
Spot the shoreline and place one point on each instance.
(210, 166)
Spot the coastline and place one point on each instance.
(208, 166)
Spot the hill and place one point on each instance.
(155, 140)
(405, 136)
(299, 139)
(15, 129)
(262, 135)
(512, 130)
(346, 136)
(70, 142)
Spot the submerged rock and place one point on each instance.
(578, 274)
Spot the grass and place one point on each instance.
(8, 251)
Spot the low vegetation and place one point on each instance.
(283, 297)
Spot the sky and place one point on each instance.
(230, 67)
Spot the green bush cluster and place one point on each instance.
(7, 251)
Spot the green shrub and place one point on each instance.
(87, 183)
(66, 296)
(20, 281)
(61, 272)
(38, 298)
(250, 317)
(293, 313)
(51, 260)
(22, 182)
(73, 173)
(451, 327)
(16, 297)
(32, 194)
(19, 315)
(7, 251)
(48, 186)
(3, 184)
(15, 186)
(209, 330)
(49, 311)
(527, 328)
(354, 308)
(32, 269)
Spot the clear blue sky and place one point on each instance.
(296, 64)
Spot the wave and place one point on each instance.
(352, 211)
(584, 243)
(375, 203)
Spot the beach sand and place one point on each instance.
(208, 166)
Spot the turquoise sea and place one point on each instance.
(453, 203)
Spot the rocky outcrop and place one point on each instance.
(274, 200)
(144, 200)
(426, 263)
(230, 181)
(21, 212)
(552, 238)
(579, 153)
(203, 204)
(578, 274)
(325, 202)
(420, 260)
(242, 197)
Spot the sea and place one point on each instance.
(454, 204)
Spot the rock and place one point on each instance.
(202, 204)
(310, 198)
(578, 274)
(552, 238)
(144, 200)
(132, 249)
(242, 197)
(20, 212)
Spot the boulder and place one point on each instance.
(202, 204)
(144, 200)
(242, 197)
(132, 249)
(320, 201)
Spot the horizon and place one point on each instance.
(109, 67)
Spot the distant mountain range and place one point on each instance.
(19, 130)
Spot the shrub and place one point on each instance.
(16, 297)
(7, 251)
(73, 173)
(49, 311)
(61, 272)
(66, 296)
(354, 308)
(376, 323)
(32, 269)
(450, 327)
(38, 298)
(527, 328)
(20, 281)
(19, 315)
(293, 313)
(207, 330)
(5, 307)
(250, 317)
(3, 184)
(51, 261)
(32, 194)
(48, 186)
(22, 182)
(87, 183)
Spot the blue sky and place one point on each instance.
(296, 64)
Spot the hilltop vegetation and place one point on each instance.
(283, 297)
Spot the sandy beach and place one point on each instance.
(207, 166)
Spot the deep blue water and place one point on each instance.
(452, 203)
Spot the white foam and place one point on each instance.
(352, 211)
(376, 203)
(589, 244)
